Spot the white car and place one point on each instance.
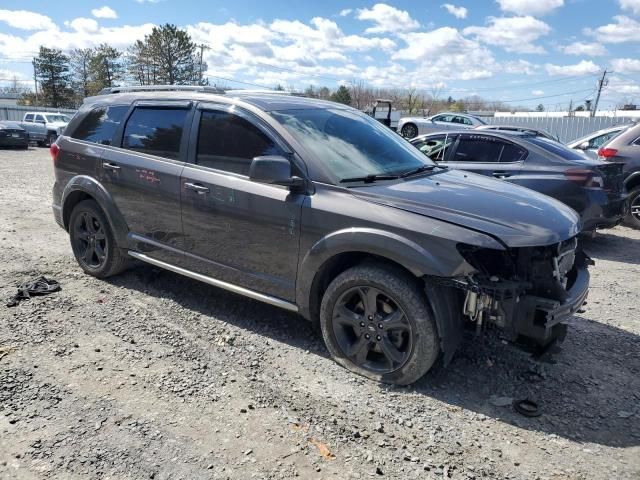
(55, 123)
(590, 144)
(410, 127)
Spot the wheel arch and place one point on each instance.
(343, 249)
(632, 181)
(83, 187)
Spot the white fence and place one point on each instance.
(565, 128)
(16, 113)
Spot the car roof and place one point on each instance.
(263, 101)
(487, 133)
(627, 136)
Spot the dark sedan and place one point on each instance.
(591, 187)
(13, 135)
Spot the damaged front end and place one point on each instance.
(527, 292)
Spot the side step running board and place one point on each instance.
(217, 283)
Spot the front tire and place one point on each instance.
(376, 322)
(409, 130)
(633, 217)
(93, 243)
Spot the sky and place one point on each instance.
(523, 52)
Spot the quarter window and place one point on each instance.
(229, 142)
(157, 131)
(100, 124)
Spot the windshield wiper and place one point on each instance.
(420, 169)
(370, 178)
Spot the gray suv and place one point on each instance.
(316, 208)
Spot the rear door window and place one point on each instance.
(156, 131)
(512, 153)
(229, 142)
(478, 149)
(40, 118)
(100, 124)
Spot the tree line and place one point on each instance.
(165, 56)
(168, 55)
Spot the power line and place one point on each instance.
(545, 96)
(238, 81)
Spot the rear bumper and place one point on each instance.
(13, 141)
(605, 213)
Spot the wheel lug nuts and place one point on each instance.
(380, 326)
(362, 324)
(367, 336)
(370, 317)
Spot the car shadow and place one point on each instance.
(582, 390)
(613, 246)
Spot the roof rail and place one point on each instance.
(161, 88)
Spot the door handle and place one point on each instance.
(196, 187)
(110, 166)
(501, 174)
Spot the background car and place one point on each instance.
(591, 187)
(13, 135)
(624, 149)
(590, 144)
(516, 128)
(55, 123)
(410, 127)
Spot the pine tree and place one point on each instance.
(341, 95)
(52, 72)
(80, 61)
(173, 55)
(106, 67)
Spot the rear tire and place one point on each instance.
(376, 322)
(93, 243)
(51, 139)
(633, 217)
(409, 130)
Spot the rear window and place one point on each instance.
(156, 131)
(555, 148)
(100, 124)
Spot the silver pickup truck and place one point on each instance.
(44, 127)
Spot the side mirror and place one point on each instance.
(584, 146)
(274, 170)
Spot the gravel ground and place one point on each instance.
(152, 375)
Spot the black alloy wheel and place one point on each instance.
(90, 240)
(409, 130)
(633, 217)
(372, 330)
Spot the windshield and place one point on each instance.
(349, 144)
(57, 118)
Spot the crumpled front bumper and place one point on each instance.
(540, 319)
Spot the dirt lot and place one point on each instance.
(152, 375)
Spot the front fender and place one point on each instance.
(91, 187)
(388, 245)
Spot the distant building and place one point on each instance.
(9, 99)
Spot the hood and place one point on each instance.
(57, 124)
(519, 217)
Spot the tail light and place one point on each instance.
(607, 152)
(584, 177)
(55, 151)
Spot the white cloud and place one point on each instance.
(345, 12)
(387, 19)
(529, 7)
(625, 65)
(445, 54)
(104, 12)
(624, 29)
(514, 34)
(520, 67)
(585, 67)
(591, 49)
(458, 12)
(537, 93)
(631, 5)
(83, 24)
(25, 20)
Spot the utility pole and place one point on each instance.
(202, 47)
(571, 113)
(601, 83)
(35, 80)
